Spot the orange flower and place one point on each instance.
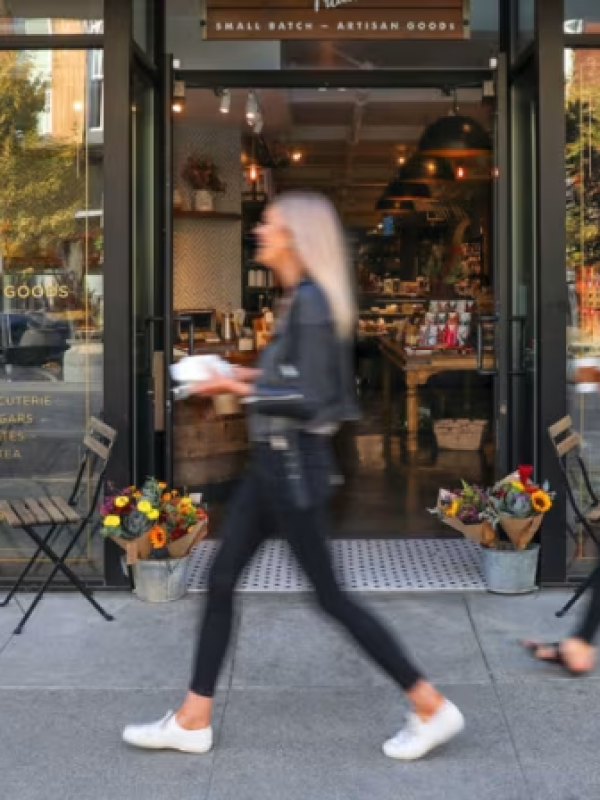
(166, 497)
(158, 537)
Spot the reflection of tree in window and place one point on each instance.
(42, 185)
(583, 160)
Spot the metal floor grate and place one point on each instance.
(388, 565)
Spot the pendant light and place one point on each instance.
(424, 168)
(395, 207)
(397, 189)
(455, 136)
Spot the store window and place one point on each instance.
(36, 17)
(582, 16)
(583, 244)
(51, 279)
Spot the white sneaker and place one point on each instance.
(418, 738)
(167, 734)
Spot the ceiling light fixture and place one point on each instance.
(398, 189)
(252, 109)
(258, 123)
(455, 136)
(225, 103)
(297, 156)
(423, 168)
(178, 103)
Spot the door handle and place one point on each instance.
(519, 370)
(482, 321)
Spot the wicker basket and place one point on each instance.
(460, 434)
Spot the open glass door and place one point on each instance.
(143, 143)
(152, 212)
(522, 364)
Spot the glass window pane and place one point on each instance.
(40, 17)
(143, 25)
(51, 284)
(582, 16)
(582, 107)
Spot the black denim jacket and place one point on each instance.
(307, 378)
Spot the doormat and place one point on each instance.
(378, 565)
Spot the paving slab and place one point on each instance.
(500, 622)
(66, 744)
(325, 744)
(290, 643)
(555, 728)
(67, 645)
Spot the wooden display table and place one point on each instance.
(418, 370)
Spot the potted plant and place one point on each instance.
(518, 507)
(503, 520)
(157, 527)
(203, 177)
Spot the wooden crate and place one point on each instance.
(207, 449)
(460, 434)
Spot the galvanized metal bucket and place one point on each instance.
(160, 581)
(510, 571)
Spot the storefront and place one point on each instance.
(114, 260)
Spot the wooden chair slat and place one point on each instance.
(38, 512)
(9, 515)
(96, 447)
(570, 443)
(103, 429)
(71, 514)
(562, 426)
(23, 512)
(52, 511)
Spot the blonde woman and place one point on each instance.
(296, 400)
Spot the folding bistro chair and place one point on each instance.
(584, 501)
(29, 514)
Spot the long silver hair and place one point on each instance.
(318, 238)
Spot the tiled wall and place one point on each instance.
(208, 253)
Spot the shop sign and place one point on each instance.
(336, 19)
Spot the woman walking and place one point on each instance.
(303, 391)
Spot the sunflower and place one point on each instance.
(541, 502)
(158, 538)
(112, 521)
(145, 507)
(122, 502)
(453, 509)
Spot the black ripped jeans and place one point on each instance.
(262, 505)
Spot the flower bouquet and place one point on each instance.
(519, 506)
(467, 511)
(154, 522)
(202, 175)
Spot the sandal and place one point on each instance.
(555, 656)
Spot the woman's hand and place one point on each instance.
(218, 384)
(246, 374)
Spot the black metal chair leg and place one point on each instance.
(579, 592)
(60, 565)
(27, 569)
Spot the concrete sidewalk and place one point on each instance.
(301, 714)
